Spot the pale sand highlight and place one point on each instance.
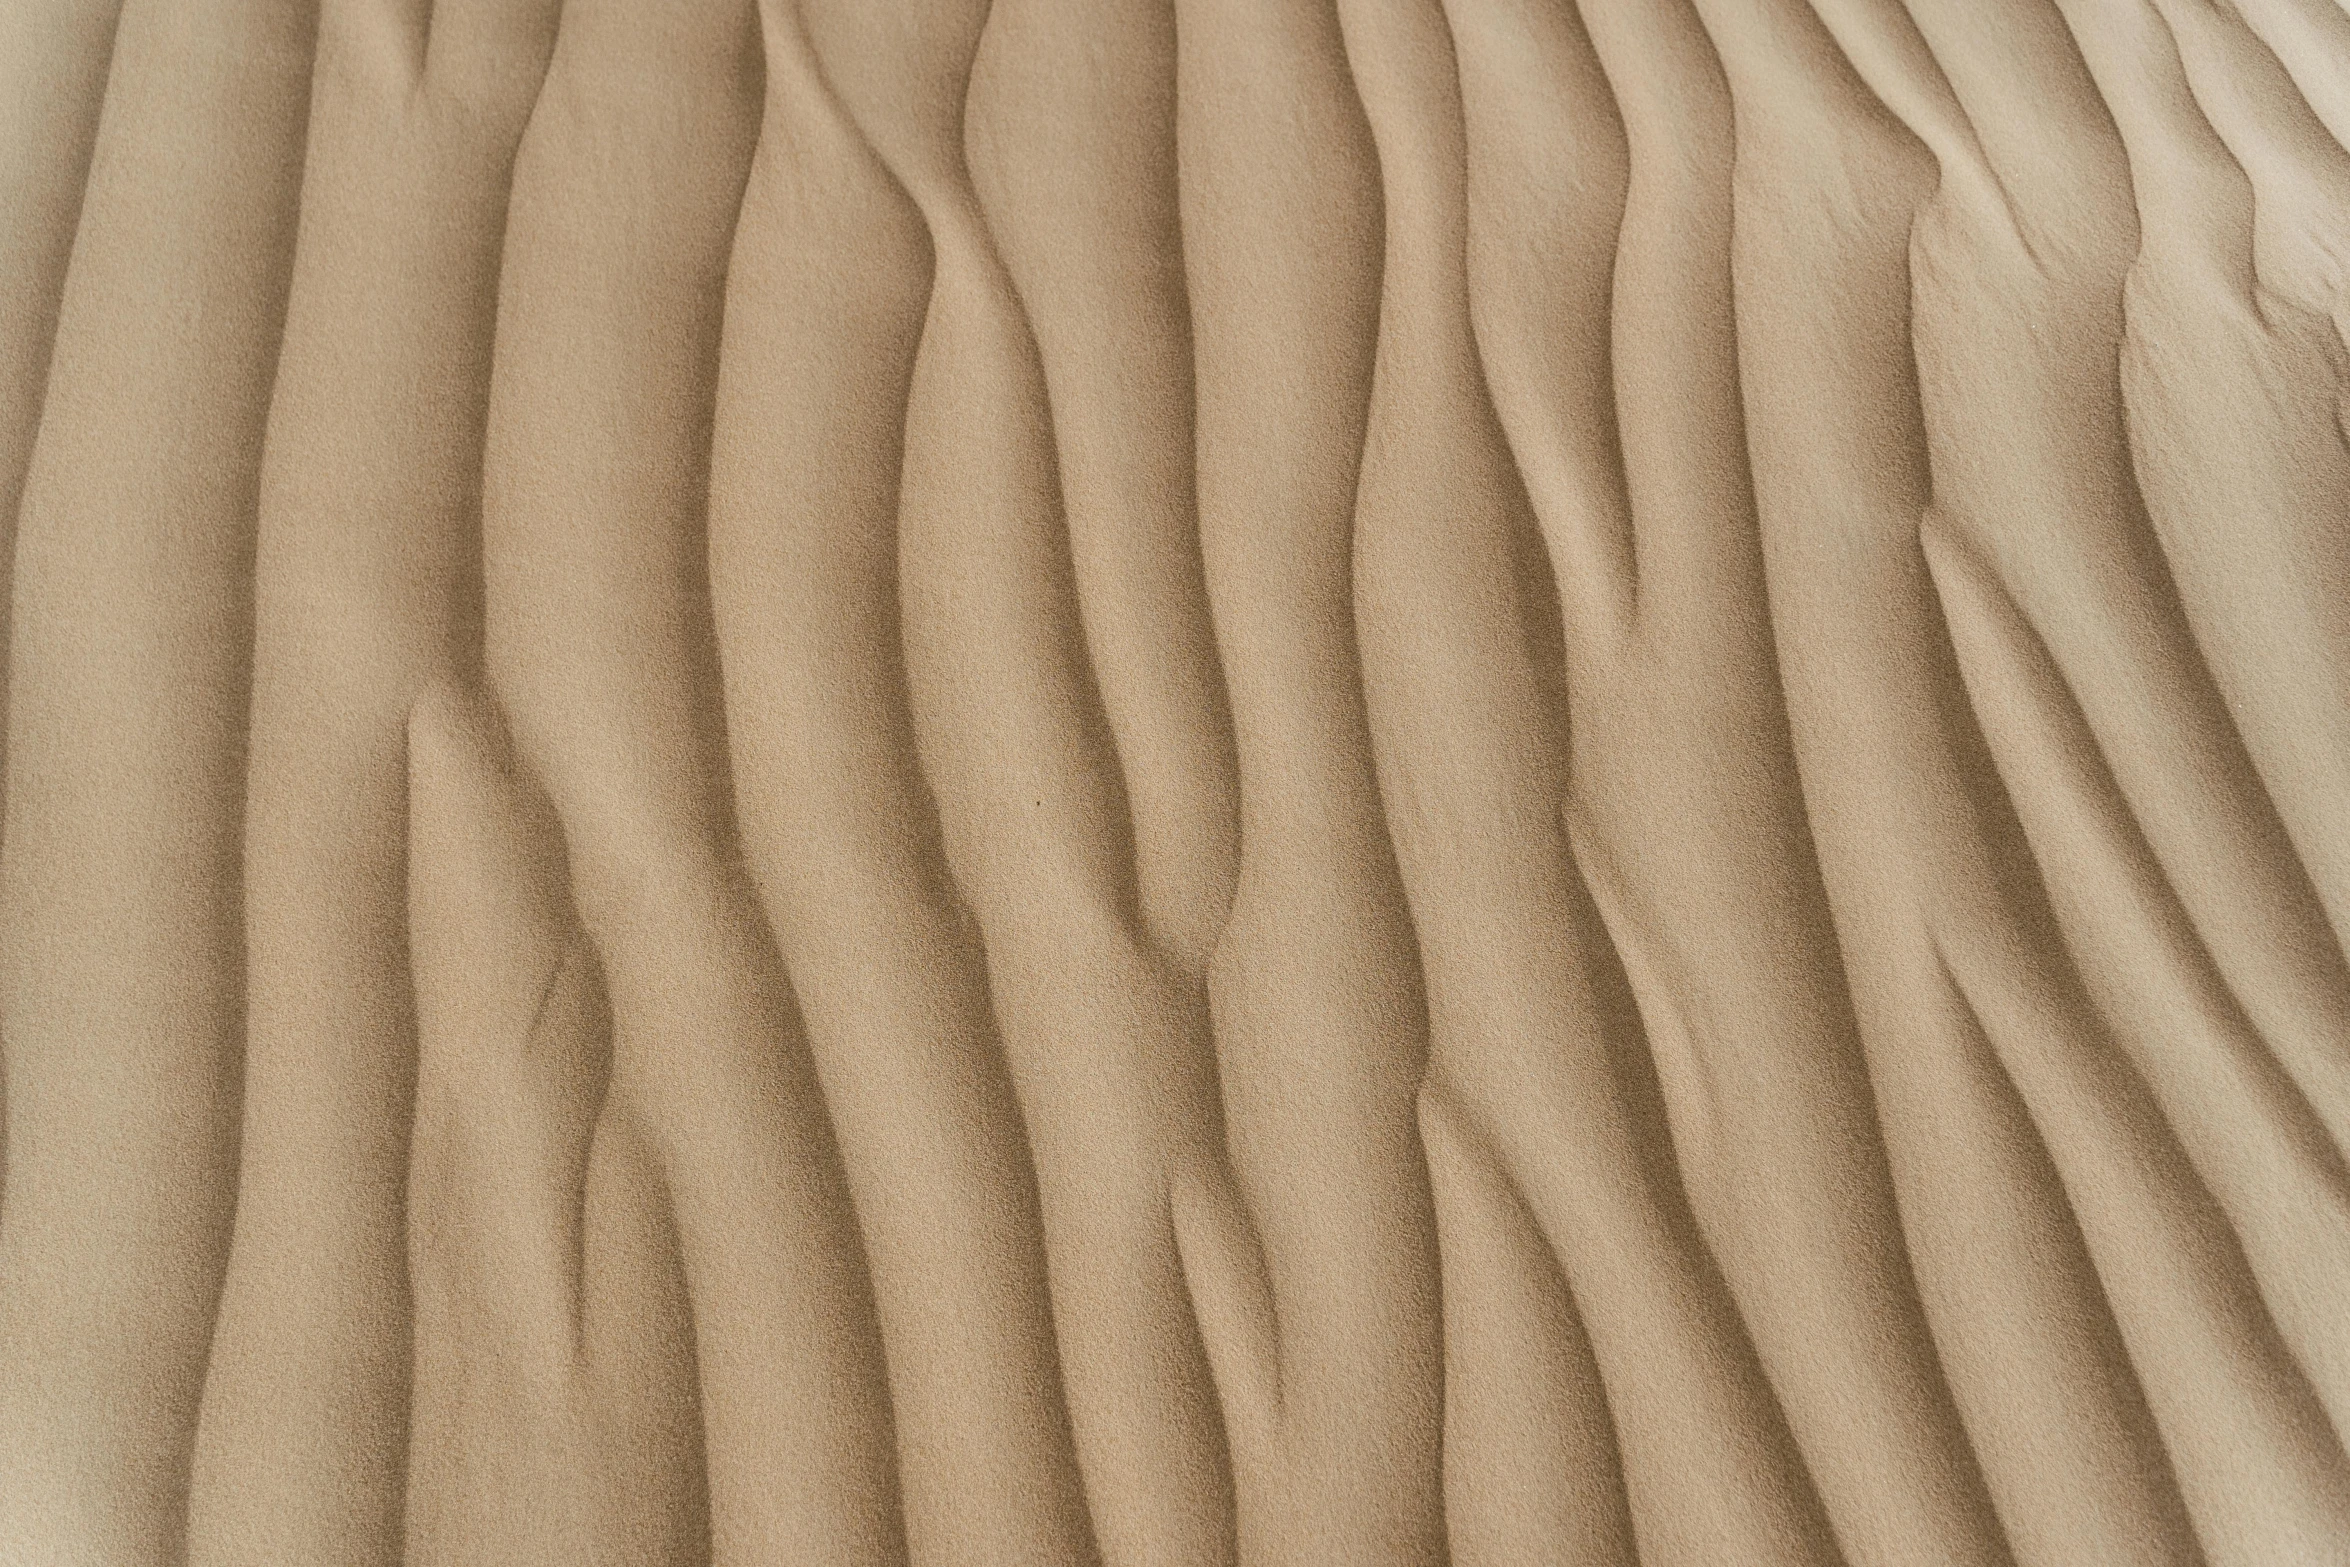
(1175, 781)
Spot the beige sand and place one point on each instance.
(1101, 782)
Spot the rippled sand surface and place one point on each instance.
(1114, 782)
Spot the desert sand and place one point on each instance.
(1116, 782)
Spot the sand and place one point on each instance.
(1113, 782)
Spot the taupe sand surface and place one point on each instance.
(1226, 783)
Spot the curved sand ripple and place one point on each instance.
(1175, 781)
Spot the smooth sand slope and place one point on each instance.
(1319, 783)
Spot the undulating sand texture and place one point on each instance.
(1225, 783)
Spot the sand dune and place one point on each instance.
(1104, 782)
